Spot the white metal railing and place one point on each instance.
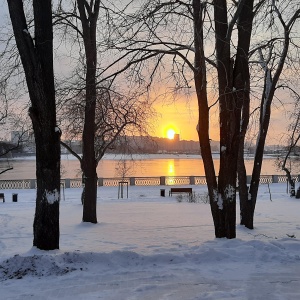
(138, 181)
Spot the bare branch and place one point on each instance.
(65, 145)
(5, 170)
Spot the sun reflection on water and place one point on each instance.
(171, 168)
(171, 172)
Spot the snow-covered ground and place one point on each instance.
(151, 247)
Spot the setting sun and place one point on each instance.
(170, 134)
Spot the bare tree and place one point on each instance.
(183, 31)
(163, 29)
(272, 57)
(37, 60)
(103, 114)
(82, 16)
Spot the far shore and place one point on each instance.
(112, 156)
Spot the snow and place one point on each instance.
(52, 196)
(229, 191)
(151, 247)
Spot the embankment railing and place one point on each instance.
(137, 181)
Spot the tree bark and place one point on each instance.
(242, 95)
(230, 78)
(260, 145)
(88, 18)
(229, 116)
(203, 122)
(37, 59)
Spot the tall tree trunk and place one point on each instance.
(88, 142)
(258, 158)
(229, 116)
(37, 60)
(203, 122)
(222, 193)
(290, 181)
(243, 188)
(265, 115)
(242, 95)
(88, 17)
(46, 221)
(89, 166)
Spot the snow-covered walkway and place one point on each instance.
(151, 247)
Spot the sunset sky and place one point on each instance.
(182, 114)
(175, 117)
(182, 117)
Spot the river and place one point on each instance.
(135, 166)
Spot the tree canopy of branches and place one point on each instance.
(178, 29)
(116, 115)
(207, 46)
(93, 107)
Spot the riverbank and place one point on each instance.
(111, 156)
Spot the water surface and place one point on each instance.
(135, 166)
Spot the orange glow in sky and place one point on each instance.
(181, 115)
(179, 118)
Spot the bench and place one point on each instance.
(180, 191)
(2, 197)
